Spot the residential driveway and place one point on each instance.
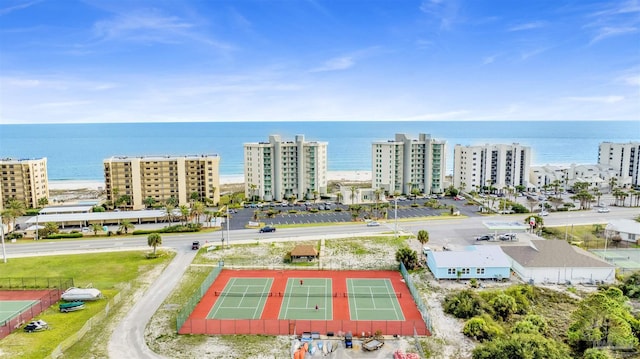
(127, 340)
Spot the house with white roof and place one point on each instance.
(556, 261)
(481, 262)
(627, 229)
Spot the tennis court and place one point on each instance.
(242, 298)
(373, 299)
(307, 298)
(10, 309)
(622, 258)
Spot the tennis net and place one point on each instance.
(308, 295)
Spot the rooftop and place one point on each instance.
(553, 253)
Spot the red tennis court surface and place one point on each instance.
(269, 324)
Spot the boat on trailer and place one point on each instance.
(81, 294)
(71, 306)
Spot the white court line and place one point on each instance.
(263, 300)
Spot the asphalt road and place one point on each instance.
(127, 341)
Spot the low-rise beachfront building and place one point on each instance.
(403, 165)
(557, 262)
(565, 177)
(480, 262)
(24, 180)
(500, 166)
(625, 159)
(181, 179)
(282, 170)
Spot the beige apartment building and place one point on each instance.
(404, 164)
(279, 170)
(162, 178)
(625, 158)
(24, 180)
(499, 166)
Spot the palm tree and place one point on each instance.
(43, 201)
(194, 196)
(154, 240)
(125, 226)
(169, 211)
(184, 213)
(377, 193)
(96, 227)
(197, 208)
(252, 189)
(597, 193)
(14, 210)
(339, 197)
(353, 194)
(423, 236)
(612, 183)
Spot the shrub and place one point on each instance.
(64, 235)
(503, 306)
(531, 324)
(14, 235)
(464, 304)
(481, 328)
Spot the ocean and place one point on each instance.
(76, 151)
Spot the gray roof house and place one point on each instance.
(627, 229)
(556, 261)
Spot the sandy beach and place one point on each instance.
(68, 185)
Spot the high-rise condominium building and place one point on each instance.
(24, 180)
(498, 166)
(625, 158)
(278, 170)
(182, 178)
(404, 165)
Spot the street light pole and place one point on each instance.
(4, 253)
(228, 225)
(395, 214)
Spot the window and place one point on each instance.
(465, 271)
(479, 270)
(451, 271)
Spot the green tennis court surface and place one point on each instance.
(11, 308)
(242, 298)
(623, 258)
(373, 299)
(301, 297)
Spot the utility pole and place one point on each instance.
(396, 218)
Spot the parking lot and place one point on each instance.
(299, 214)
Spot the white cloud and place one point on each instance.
(596, 99)
(527, 26)
(25, 5)
(336, 64)
(489, 59)
(607, 32)
(532, 53)
(445, 12)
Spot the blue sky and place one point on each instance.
(67, 61)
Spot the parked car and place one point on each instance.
(195, 245)
(544, 213)
(267, 229)
(486, 237)
(603, 210)
(507, 237)
(373, 224)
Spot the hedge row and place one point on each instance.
(64, 235)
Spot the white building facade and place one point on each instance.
(404, 164)
(625, 158)
(24, 180)
(597, 176)
(499, 166)
(278, 170)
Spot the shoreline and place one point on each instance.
(98, 185)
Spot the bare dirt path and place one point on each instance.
(127, 340)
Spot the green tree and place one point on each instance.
(13, 210)
(154, 240)
(423, 237)
(149, 202)
(125, 226)
(408, 257)
(194, 196)
(531, 324)
(339, 197)
(602, 319)
(184, 213)
(197, 209)
(49, 229)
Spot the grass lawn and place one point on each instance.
(105, 271)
